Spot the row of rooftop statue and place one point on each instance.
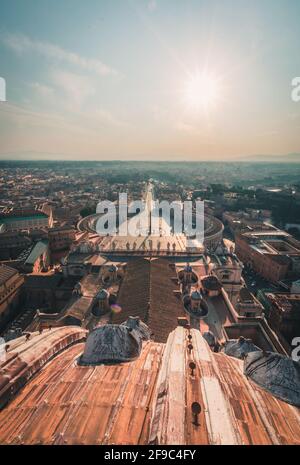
(145, 245)
(276, 373)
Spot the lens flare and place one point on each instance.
(116, 308)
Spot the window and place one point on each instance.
(226, 276)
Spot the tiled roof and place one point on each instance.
(147, 291)
(22, 214)
(6, 273)
(79, 308)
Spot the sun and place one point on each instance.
(201, 91)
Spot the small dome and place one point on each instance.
(188, 268)
(239, 348)
(103, 294)
(211, 283)
(276, 373)
(112, 268)
(195, 295)
(115, 343)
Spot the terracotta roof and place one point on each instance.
(90, 285)
(147, 291)
(78, 308)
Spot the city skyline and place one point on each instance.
(149, 80)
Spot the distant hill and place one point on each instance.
(40, 156)
(287, 158)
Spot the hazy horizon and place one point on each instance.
(288, 158)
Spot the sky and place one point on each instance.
(149, 79)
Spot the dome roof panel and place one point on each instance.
(113, 343)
